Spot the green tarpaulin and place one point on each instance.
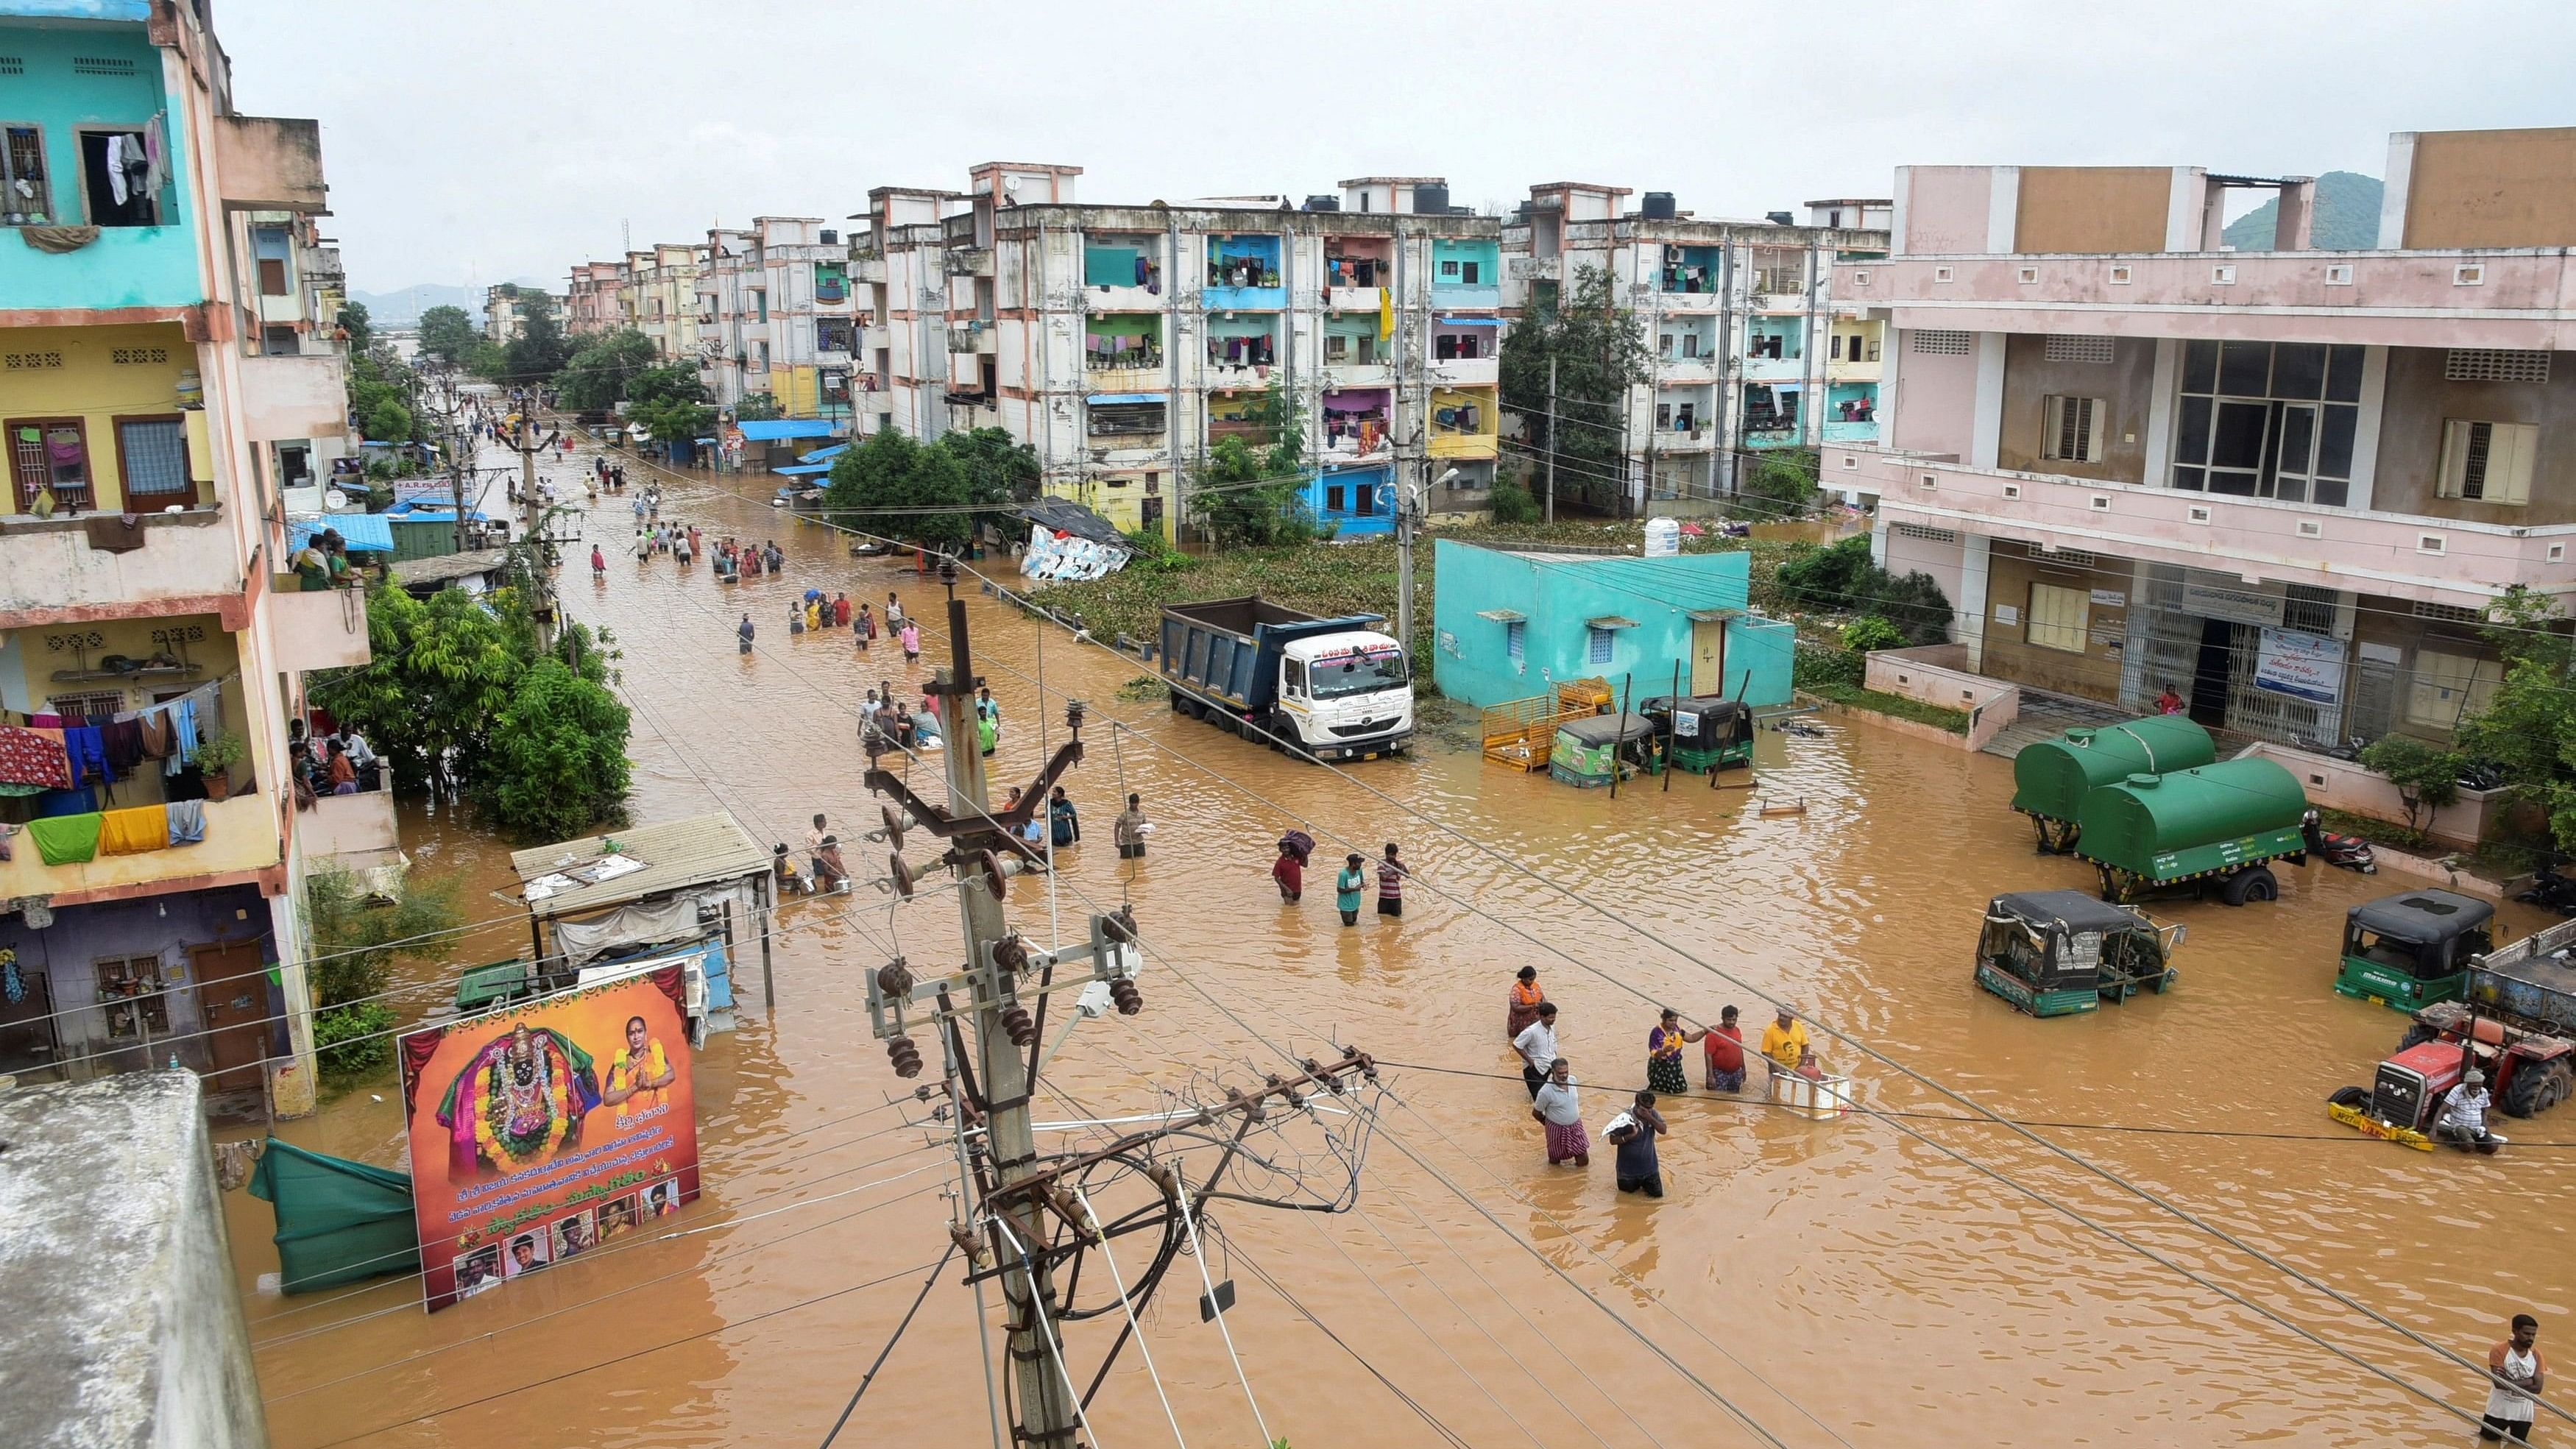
(337, 1221)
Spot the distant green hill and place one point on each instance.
(2347, 217)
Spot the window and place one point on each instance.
(1336, 498)
(1690, 344)
(1337, 348)
(1664, 345)
(1834, 349)
(2072, 429)
(2448, 687)
(50, 453)
(1364, 500)
(152, 453)
(760, 303)
(2058, 617)
(277, 340)
(2268, 420)
(1293, 674)
(25, 198)
(1469, 273)
(1596, 645)
(1516, 640)
(1449, 270)
(131, 990)
(103, 704)
(271, 246)
(2488, 462)
(1942, 344)
(115, 179)
(1663, 415)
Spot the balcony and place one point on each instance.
(1698, 439)
(976, 336)
(1477, 298)
(52, 572)
(295, 396)
(1772, 431)
(1854, 371)
(1243, 299)
(1774, 369)
(1467, 372)
(354, 832)
(1860, 432)
(1354, 299)
(326, 629)
(1339, 375)
(2429, 559)
(1534, 269)
(868, 269)
(1685, 371)
(875, 339)
(2523, 300)
(967, 261)
(270, 163)
(871, 401)
(1669, 300)
(241, 838)
(1151, 377)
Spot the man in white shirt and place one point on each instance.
(1558, 1111)
(1537, 1046)
(2516, 1375)
(2464, 1118)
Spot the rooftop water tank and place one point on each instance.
(1323, 203)
(1659, 206)
(1431, 200)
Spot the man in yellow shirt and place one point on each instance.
(639, 1074)
(1784, 1042)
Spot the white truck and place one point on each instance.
(1324, 689)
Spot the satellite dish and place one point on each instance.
(333, 498)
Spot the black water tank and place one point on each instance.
(831, 237)
(1321, 202)
(1659, 206)
(1780, 218)
(1431, 200)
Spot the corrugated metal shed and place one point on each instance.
(782, 430)
(669, 855)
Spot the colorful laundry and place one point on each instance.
(34, 757)
(185, 821)
(66, 839)
(134, 831)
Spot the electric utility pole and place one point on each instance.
(1551, 438)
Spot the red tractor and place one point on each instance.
(2528, 1072)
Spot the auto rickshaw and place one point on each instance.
(1703, 732)
(2412, 949)
(1587, 751)
(2055, 953)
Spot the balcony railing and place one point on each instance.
(1774, 369)
(325, 629)
(967, 261)
(56, 568)
(1863, 430)
(2435, 560)
(270, 163)
(241, 836)
(1467, 372)
(973, 337)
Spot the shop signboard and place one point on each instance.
(2300, 665)
(541, 1131)
(2236, 603)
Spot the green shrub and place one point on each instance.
(1870, 632)
(1818, 666)
(2426, 778)
(1513, 503)
(353, 1041)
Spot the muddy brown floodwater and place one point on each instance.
(1841, 1283)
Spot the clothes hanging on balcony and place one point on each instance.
(124, 741)
(87, 753)
(1144, 269)
(155, 725)
(186, 821)
(34, 757)
(66, 839)
(134, 831)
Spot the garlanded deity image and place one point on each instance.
(518, 1102)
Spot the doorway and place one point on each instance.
(232, 1000)
(1708, 656)
(2212, 673)
(27, 1039)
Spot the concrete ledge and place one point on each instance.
(1933, 734)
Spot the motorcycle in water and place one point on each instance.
(2350, 852)
(2550, 891)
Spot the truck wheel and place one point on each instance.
(1180, 702)
(2253, 883)
(2536, 1087)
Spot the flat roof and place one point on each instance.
(1854, 201)
(1394, 181)
(568, 879)
(446, 567)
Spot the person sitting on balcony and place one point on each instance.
(342, 776)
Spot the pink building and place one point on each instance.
(2284, 482)
(595, 299)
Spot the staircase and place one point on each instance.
(2045, 716)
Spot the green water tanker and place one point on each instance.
(2214, 825)
(2052, 777)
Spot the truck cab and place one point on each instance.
(1344, 695)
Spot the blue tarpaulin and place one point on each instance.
(364, 532)
(419, 510)
(1098, 398)
(823, 454)
(802, 470)
(784, 430)
(1470, 321)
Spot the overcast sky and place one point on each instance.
(469, 141)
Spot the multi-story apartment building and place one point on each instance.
(2285, 483)
(1747, 352)
(504, 316)
(163, 359)
(1124, 342)
(663, 293)
(595, 298)
(776, 315)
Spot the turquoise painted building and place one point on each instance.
(1510, 623)
(89, 137)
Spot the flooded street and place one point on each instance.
(1845, 1283)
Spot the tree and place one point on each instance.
(999, 469)
(1782, 486)
(670, 403)
(2528, 728)
(353, 320)
(756, 407)
(1254, 495)
(1841, 579)
(1599, 349)
(540, 349)
(596, 377)
(441, 671)
(485, 358)
(558, 756)
(446, 333)
(2426, 778)
(893, 485)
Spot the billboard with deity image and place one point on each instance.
(542, 1130)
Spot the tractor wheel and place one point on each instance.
(2353, 1097)
(2253, 883)
(2535, 1088)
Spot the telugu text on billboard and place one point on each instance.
(2300, 665)
(542, 1131)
